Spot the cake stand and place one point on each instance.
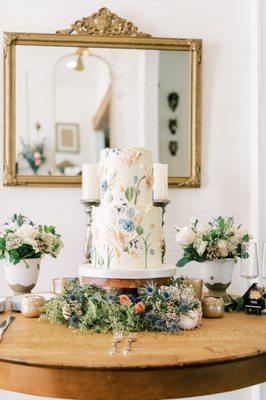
(119, 279)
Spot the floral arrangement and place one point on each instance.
(34, 154)
(217, 239)
(151, 308)
(21, 239)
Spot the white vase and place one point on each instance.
(217, 276)
(23, 276)
(191, 320)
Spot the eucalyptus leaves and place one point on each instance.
(217, 239)
(21, 239)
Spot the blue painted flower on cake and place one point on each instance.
(104, 185)
(128, 225)
(152, 252)
(130, 212)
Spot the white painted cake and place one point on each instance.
(126, 229)
(127, 232)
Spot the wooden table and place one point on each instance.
(47, 360)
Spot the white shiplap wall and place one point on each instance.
(224, 27)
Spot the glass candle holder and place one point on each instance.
(197, 286)
(212, 307)
(31, 306)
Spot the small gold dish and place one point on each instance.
(212, 307)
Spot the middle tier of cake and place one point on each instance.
(127, 237)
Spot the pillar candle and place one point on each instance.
(160, 186)
(90, 182)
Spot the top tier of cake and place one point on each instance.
(126, 176)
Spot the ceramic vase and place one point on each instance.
(191, 320)
(23, 276)
(217, 276)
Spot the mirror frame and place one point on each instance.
(101, 29)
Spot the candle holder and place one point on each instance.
(163, 204)
(88, 204)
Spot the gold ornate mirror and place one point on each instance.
(99, 83)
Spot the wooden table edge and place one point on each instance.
(189, 364)
(130, 383)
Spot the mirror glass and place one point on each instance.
(71, 102)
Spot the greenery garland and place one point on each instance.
(151, 308)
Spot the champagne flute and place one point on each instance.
(249, 266)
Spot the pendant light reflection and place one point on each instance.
(78, 64)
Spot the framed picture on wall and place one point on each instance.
(67, 138)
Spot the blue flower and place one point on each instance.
(130, 212)
(166, 296)
(183, 308)
(71, 297)
(134, 299)
(149, 289)
(74, 320)
(128, 225)
(135, 179)
(104, 185)
(112, 295)
(173, 326)
(152, 252)
(158, 324)
(149, 318)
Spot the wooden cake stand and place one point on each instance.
(41, 359)
(125, 279)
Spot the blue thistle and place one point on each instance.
(74, 320)
(166, 296)
(159, 324)
(183, 308)
(173, 326)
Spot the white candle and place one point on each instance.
(90, 182)
(160, 185)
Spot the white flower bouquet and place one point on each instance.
(217, 239)
(21, 239)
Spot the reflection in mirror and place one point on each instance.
(63, 100)
(72, 102)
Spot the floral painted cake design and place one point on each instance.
(128, 237)
(126, 228)
(126, 176)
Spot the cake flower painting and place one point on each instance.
(125, 176)
(126, 227)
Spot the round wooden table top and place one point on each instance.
(49, 360)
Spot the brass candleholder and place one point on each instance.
(88, 204)
(163, 204)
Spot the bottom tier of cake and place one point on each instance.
(127, 237)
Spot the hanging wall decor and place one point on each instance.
(172, 125)
(173, 99)
(173, 147)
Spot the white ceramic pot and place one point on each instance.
(217, 276)
(191, 320)
(23, 276)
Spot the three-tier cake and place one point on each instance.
(127, 235)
